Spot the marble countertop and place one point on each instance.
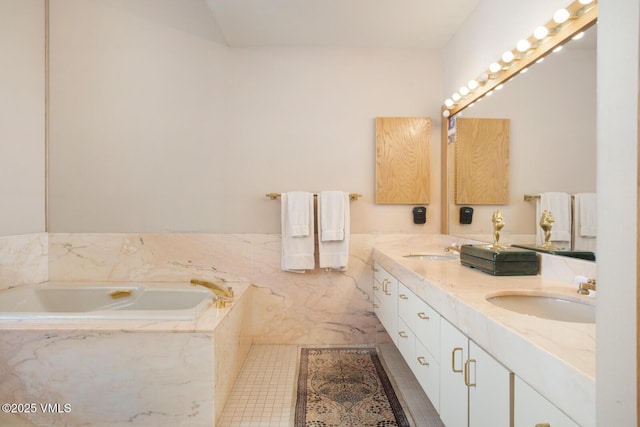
(206, 319)
(555, 358)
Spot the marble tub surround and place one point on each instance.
(126, 372)
(319, 307)
(555, 358)
(23, 259)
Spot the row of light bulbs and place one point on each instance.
(559, 17)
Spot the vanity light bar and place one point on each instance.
(566, 24)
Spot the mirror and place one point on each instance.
(552, 110)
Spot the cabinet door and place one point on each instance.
(454, 410)
(489, 389)
(531, 409)
(386, 289)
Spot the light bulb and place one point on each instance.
(508, 56)
(456, 97)
(446, 113)
(561, 16)
(482, 78)
(472, 85)
(523, 45)
(541, 32)
(495, 67)
(464, 91)
(448, 102)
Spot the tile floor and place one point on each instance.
(264, 393)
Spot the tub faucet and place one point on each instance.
(452, 248)
(585, 287)
(215, 288)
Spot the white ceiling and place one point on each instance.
(340, 23)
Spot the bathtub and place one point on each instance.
(174, 301)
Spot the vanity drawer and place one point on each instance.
(423, 320)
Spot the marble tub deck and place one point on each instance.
(126, 372)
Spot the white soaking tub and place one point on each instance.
(157, 301)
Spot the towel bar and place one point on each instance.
(275, 196)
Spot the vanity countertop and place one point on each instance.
(556, 358)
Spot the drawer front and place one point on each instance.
(406, 341)
(427, 370)
(427, 329)
(406, 299)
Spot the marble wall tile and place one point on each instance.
(318, 307)
(23, 259)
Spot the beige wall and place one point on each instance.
(22, 147)
(159, 127)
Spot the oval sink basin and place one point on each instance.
(431, 257)
(547, 307)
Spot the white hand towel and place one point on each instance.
(297, 251)
(334, 254)
(585, 222)
(332, 215)
(586, 215)
(559, 204)
(298, 213)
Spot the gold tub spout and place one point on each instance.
(215, 288)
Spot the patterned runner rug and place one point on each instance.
(345, 387)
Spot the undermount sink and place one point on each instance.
(546, 306)
(431, 257)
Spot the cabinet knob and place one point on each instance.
(403, 334)
(423, 316)
(376, 306)
(375, 288)
(403, 296)
(543, 425)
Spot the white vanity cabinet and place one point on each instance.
(533, 410)
(419, 341)
(385, 300)
(475, 389)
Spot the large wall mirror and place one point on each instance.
(552, 113)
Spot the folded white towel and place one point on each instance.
(298, 209)
(559, 204)
(584, 222)
(297, 251)
(585, 214)
(334, 254)
(331, 220)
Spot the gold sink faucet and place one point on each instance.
(585, 287)
(452, 248)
